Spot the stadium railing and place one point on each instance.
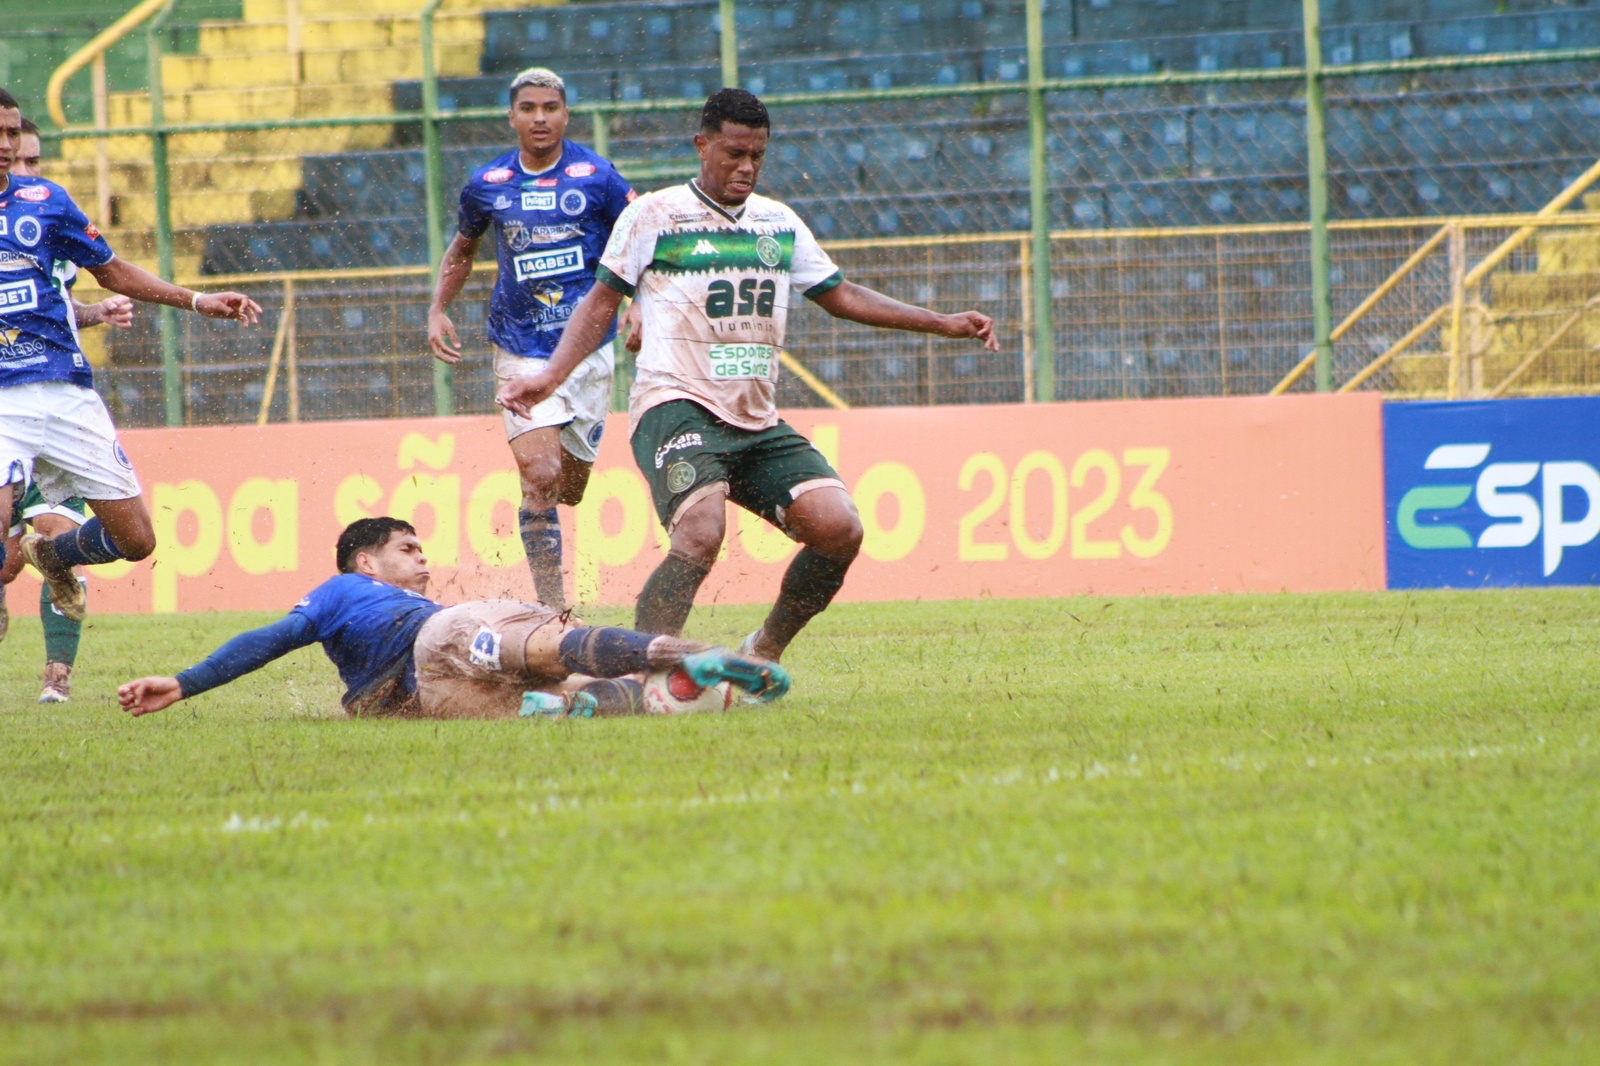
(1098, 153)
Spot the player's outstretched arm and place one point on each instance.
(857, 303)
(246, 652)
(453, 275)
(121, 276)
(149, 695)
(112, 311)
(585, 330)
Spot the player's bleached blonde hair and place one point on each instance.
(539, 78)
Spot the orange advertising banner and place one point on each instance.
(1115, 498)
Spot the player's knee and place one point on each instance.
(840, 535)
(699, 536)
(136, 544)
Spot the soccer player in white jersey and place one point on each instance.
(712, 266)
(552, 203)
(54, 429)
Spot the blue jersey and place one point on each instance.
(41, 233)
(367, 628)
(552, 228)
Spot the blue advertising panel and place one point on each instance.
(1493, 492)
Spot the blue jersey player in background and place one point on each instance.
(55, 430)
(552, 204)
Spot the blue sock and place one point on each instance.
(606, 651)
(88, 545)
(541, 539)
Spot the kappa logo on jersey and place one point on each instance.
(580, 170)
(538, 201)
(29, 231)
(548, 293)
(704, 248)
(34, 194)
(497, 175)
(18, 296)
(536, 265)
(678, 443)
(573, 201)
(486, 649)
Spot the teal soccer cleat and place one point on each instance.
(538, 704)
(764, 681)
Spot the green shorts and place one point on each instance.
(26, 506)
(687, 453)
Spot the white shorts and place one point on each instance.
(579, 406)
(60, 436)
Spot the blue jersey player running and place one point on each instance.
(400, 654)
(552, 204)
(54, 429)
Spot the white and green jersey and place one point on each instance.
(713, 288)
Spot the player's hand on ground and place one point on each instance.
(149, 695)
(521, 394)
(442, 338)
(972, 324)
(633, 328)
(234, 305)
(115, 311)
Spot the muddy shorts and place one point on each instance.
(687, 453)
(470, 659)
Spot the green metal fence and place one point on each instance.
(1199, 112)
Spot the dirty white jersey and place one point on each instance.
(713, 287)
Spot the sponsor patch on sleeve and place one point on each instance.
(91, 232)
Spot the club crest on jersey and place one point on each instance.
(28, 230)
(538, 201)
(679, 477)
(34, 194)
(548, 293)
(573, 201)
(485, 651)
(580, 170)
(18, 296)
(769, 251)
(557, 261)
(596, 433)
(121, 456)
(497, 175)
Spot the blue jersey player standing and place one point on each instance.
(54, 428)
(552, 204)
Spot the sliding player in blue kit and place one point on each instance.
(400, 654)
(55, 430)
(552, 203)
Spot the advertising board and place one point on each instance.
(1167, 496)
(1494, 492)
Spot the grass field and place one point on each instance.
(1285, 829)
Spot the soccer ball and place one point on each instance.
(671, 692)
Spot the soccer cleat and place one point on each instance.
(537, 704)
(57, 683)
(65, 590)
(763, 680)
